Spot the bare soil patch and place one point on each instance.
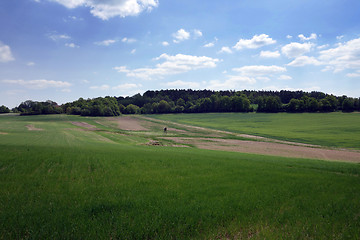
(130, 124)
(85, 125)
(3, 133)
(269, 148)
(33, 128)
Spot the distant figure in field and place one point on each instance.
(165, 130)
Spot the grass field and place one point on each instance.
(67, 182)
(325, 129)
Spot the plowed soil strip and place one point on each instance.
(130, 124)
(269, 148)
(85, 125)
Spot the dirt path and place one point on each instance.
(269, 148)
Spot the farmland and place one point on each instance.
(71, 177)
(325, 129)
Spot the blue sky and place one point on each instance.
(66, 49)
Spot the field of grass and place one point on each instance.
(325, 129)
(63, 183)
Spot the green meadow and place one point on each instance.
(326, 129)
(61, 181)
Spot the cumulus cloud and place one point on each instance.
(208, 45)
(246, 75)
(106, 9)
(165, 43)
(128, 40)
(71, 45)
(102, 87)
(126, 86)
(304, 60)
(344, 56)
(256, 42)
(269, 54)
(294, 49)
(107, 42)
(39, 84)
(313, 36)
(232, 82)
(284, 77)
(182, 84)
(57, 37)
(5, 53)
(259, 70)
(197, 33)
(181, 35)
(323, 46)
(225, 50)
(353, 75)
(172, 65)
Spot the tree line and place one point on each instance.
(195, 101)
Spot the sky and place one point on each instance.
(62, 50)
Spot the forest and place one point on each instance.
(195, 101)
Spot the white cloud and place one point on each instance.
(39, 84)
(182, 84)
(133, 51)
(294, 49)
(197, 33)
(304, 60)
(288, 36)
(172, 65)
(122, 69)
(72, 18)
(181, 35)
(344, 56)
(232, 82)
(259, 70)
(107, 42)
(246, 75)
(71, 45)
(323, 46)
(30, 64)
(284, 77)
(126, 86)
(57, 37)
(313, 36)
(225, 50)
(128, 40)
(208, 45)
(340, 37)
(353, 75)
(164, 43)
(256, 42)
(102, 87)
(106, 9)
(269, 54)
(5, 53)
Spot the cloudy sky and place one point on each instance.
(65, 49)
